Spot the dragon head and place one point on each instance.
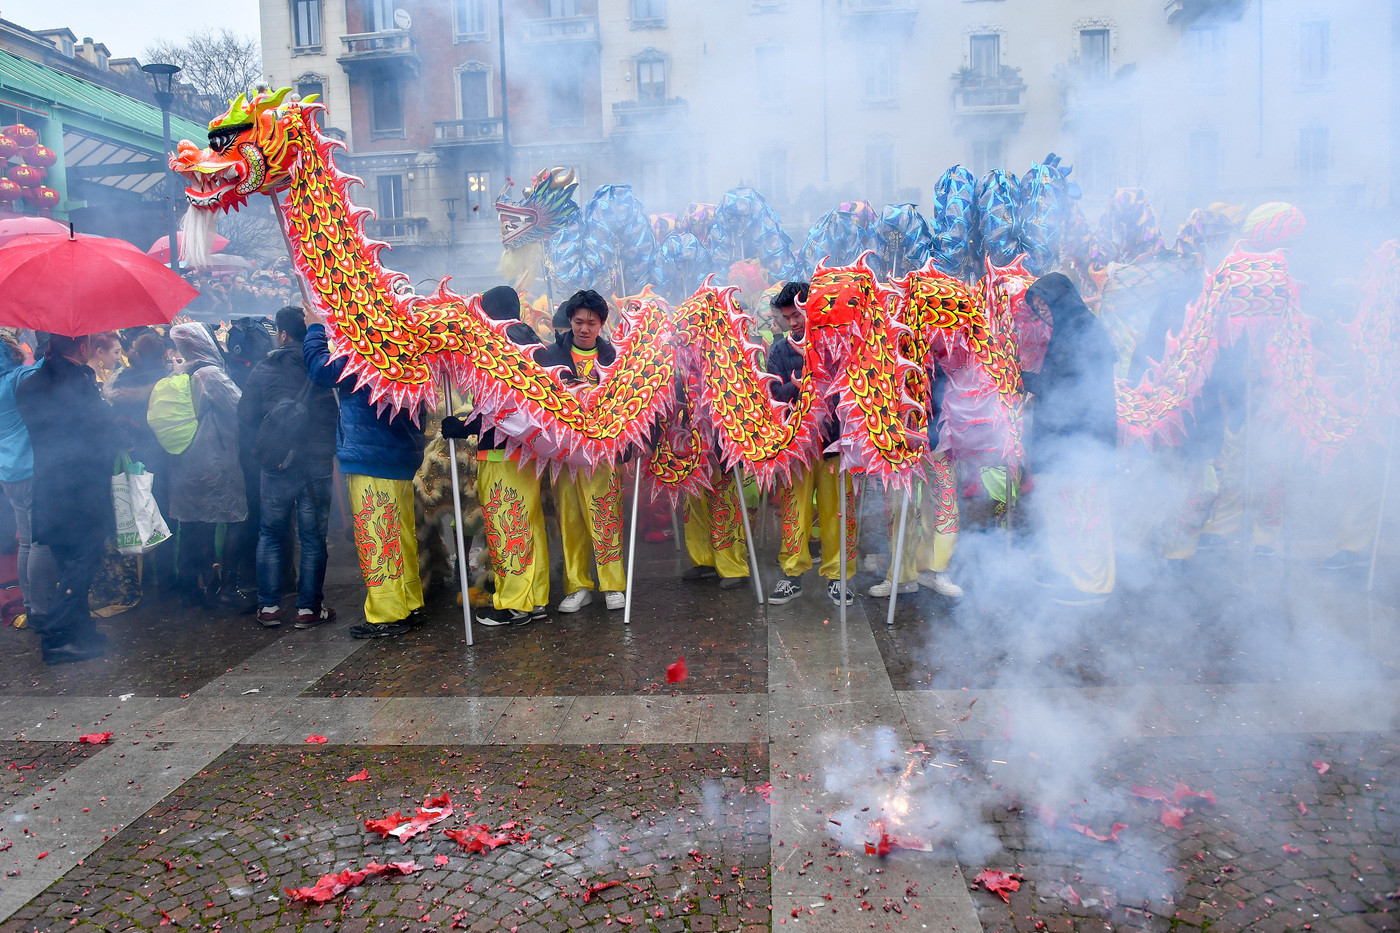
(547, 207)
(252, 150)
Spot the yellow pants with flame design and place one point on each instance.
(515, 535)
(795, 513)
(931, 527)
(387, 546)
(714, 529)
(590, 528)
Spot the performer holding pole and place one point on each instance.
(589, 501)
(832, 485)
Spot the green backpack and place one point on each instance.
(171, 413)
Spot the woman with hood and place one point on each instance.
(1073, 441)
(206, 480)
(589, 501)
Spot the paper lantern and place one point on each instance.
(42, 196)
(8, 147)
(41, 156)
(9, 191)
(26, 176)
(22, 135)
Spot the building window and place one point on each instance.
(469, 18)
(306, 23)
(984, 54)
(651, 79)
(648, 12)
(390, 196)
(558, 8)
(772, 175)
(1095, 166)
(986, 155)
(1094, 53)
(772, 75)
(565, 103)
(379, 15)
(67, 44)
(385, 106)
(879, 74)
(475, 87)
(1203, 161)
(1203, 54)
(309, 86)
(879, 173)
(1314, 155)
(1313, 63)
(479, 199)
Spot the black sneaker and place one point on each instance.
(733, 583)
(786, 590)
(66, 654)
(837, 594)
(415, 618)
(381, 630)
(539, 613)
(695, 574)
(494, 617)
(1343, 560)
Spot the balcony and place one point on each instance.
(641, 116)
(398, 231)
(561, 29)
(466, 132)
(391, 47)
(1187, 12)
(990, 98)
(877, 14)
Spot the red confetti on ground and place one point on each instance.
(95, 738)
(1112, 833)
(18, 767)
(43, 855)
(766, 788)
(1292, 850)
(888, 843)
(433, 811)
(316, 740)
(362, 776)
(479, 838)
(440, 860)
(1000, 883)
(331, 885)
(1322, 767)
(1172, 813)
(677, 672)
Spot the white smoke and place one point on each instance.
(197, 239)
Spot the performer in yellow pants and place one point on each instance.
(930, 532)
(590, 529)
(795, 512)
(387, 546)
(1078, 528)
(515, 536)
(714, 533)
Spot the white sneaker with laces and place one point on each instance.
(940, 583)
(576, 601)
(882, 589)
(615, 599)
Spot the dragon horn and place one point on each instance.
(265, 102)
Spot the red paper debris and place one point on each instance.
(434, 810)
(1292, 850)
(677, 672)
(999, 883)
(316, 740)
(440, 860)
(887, 842)
(95, 738)
(1112, 833)
(331, 885)
(1172, 813)
(1322, 767)
(386, 825)
(479, 838)
(363, 775)
(1173, 816)
(766, 788)
(44, 854)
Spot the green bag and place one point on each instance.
(171, 415)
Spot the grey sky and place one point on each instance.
(128, 26)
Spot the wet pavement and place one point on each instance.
(1192, 754)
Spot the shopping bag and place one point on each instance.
(140, 526)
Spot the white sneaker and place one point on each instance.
(873, 563)
(882, 589)
(576, 601)
(615, 600)
(940, 583)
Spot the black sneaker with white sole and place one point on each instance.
(835, 593)
(495, 617)
(380, 630)
(785, 591)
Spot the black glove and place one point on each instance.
(455, 428)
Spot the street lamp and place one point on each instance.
(163, 77)
(451, 221)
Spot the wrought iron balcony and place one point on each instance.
(632, 116)
(391, 46)
(398, 231)
(466, 132)
(1186, 12)
(990, 97)
(561, 29)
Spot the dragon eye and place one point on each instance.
(224, 136)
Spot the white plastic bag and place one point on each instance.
(140, 526)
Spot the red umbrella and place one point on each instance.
(160, 249)
(84, 285)
(18, 226)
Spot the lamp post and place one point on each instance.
(451, 221)
(163, 77)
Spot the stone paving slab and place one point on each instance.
(678, 826)
(26, 767)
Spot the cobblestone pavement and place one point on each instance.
(28, 765)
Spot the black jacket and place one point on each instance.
(76, 443)
(560, 353)
(282, 374)
(522, 336)
(785, 362)
(1074, 428)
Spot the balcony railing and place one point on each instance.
(397, 231)
(393, 45)
(1186, 12)
(879, 6)
(466, 132)
(990, 98)
(634, 115)
(562, 29)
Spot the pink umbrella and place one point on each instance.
(14, 227)
(160, 249)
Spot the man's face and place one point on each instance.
(586, 326)
(796, 321)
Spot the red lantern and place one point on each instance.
(9, 191)
(22, 135)
(41, 156)
(8, 147)
(26, 176)
(42, 196)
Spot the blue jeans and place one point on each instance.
(310, 496)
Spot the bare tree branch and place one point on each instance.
(216, 63)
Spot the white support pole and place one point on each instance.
(748, 536)
(898, 555)
(1380, 509)
(632, 543)
(676, 530)
(763, 518)
(462, 556)
(841, 491)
